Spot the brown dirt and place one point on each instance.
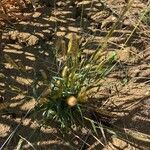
(29, 39)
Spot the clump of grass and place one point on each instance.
(65, 94)
(67, 90)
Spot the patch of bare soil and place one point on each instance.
(29, 40)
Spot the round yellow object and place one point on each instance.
(72, 101)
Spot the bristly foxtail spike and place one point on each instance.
(64, 49)
(65, 72)
(46, 92)
(58, 43)
(73, 45)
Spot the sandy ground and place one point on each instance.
(30, 40)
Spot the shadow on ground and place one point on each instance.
(31, 42)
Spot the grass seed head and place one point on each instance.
(46, 92)
(82, 96)
(65, 72)
(63, 47)
(73, 45)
